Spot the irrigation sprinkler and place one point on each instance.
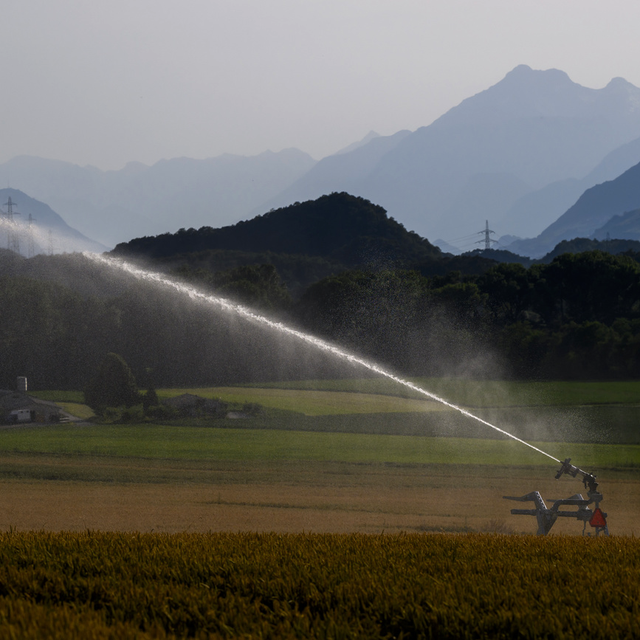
(546, 516)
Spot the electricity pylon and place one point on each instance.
(13, 239)
(487, 237)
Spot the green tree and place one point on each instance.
(508, 291)
(113, 386)
(255, 285)
(150, 399)
(591, 286)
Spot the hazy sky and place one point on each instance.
(107, 82)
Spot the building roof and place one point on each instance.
(13, 400)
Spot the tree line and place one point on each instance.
(577, 317)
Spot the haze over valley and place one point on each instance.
(520, 154)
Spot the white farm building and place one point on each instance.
(18, 407)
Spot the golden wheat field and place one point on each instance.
(250, 585)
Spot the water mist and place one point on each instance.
(244, 312)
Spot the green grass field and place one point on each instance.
(486, 393)
(358, 421)
(312, 402)
(469, 393)
(340, 406)
(77, 409)
(200, 443)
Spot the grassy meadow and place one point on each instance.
(464, 392)
(247, 445)
(370, 421)
(485, 393)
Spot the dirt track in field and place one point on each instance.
(339, 498)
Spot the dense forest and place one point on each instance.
(577, 317)
(340, 268)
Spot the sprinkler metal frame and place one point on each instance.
(547, 517)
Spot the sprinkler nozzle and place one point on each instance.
(588, 479)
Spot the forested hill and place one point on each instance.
(338, 227)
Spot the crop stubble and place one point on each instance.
(67, 494)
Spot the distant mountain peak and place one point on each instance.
(525, 74)
(621, 90)
(521, 69)
(619, 83)
(526, 93)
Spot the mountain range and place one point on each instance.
(532, 130)
(138, 200)
(519, 154)
(607, 208)
(532, 213)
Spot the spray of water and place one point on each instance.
(34, 239)
(245, 312)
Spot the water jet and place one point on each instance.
(333, 350)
